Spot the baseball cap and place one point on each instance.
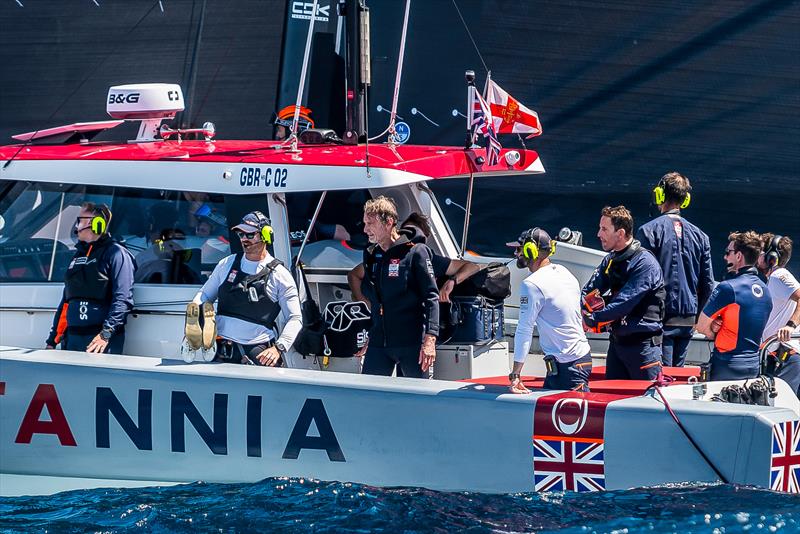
(252, 222)
(535, 235)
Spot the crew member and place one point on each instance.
(684, 253)
(399, 283)
(98, 288)
(550, 298)
(784, 289)
(635, 307)
(284, 119)
(737, 312)
(417, 229)
(252, 290)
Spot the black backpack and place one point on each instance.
(493, 281)
(310, 339)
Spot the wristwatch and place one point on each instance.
(513, 376)
(791, 324)
(106, 333)
(280, 347)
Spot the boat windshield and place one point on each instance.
(177, 237)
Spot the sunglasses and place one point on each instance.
(248, 235)
(729, 251)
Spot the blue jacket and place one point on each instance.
(633, 278)
(684, 253)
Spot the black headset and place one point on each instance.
(772, 254)
(660, 195)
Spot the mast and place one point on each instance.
(357, 67)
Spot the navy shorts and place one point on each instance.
(572, 375)
(382, 361)
(79, 342)
(739, 367)
(638, 360)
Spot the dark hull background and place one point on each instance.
(626, 91)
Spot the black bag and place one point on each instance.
(348, 327)
(493, 281)
(310, 339)
(470, 320)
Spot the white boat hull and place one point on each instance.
(68, 414)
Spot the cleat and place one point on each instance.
(209, 326)
(192, 330)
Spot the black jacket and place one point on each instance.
(402, 291)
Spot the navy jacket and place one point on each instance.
(636, 307)
(402, 292)
(684, 253)
(116, 264)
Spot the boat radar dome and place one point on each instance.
(147, 102)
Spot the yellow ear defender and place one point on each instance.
(266, 234)
(100, 221)
(552, 247)
(530, 251)
(660, 196)
(98, 225)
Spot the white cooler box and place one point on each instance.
(458, 362)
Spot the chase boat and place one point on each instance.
(72, 419)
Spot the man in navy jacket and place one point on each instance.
(684, 253)
(98, 288)
(631, 277)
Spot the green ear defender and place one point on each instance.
(686, 201)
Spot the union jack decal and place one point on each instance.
(566, 465)
(785, 465)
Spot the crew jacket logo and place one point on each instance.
(568, 442)
(784, 472)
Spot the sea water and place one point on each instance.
(303, 505)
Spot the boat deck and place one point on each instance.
(598, 382)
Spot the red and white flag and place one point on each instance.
(509, 115)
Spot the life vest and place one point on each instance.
(87, 291)
(245, 297)
(651, 307)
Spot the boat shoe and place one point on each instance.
(209, 326)
(192, 330)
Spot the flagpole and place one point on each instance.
(470, 77)
(474, 134)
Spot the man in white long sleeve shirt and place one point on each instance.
(550, 297)
(252, 290)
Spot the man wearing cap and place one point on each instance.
(252, 289)
(630, 280)
(550, 298)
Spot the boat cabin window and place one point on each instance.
(338, 237)
(177, 237)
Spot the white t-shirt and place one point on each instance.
(551, 299)
(280, 288)
(782, 284)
